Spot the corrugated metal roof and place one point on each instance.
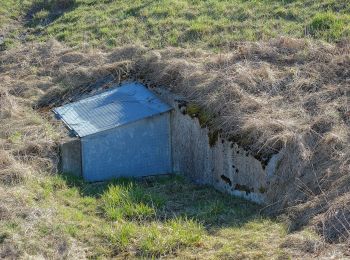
(125, 104)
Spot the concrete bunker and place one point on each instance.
(162, 140)
(124, 131)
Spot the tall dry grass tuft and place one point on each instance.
(284, 96)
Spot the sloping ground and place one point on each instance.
(205, 24)
(44, 215)
(210, 24)
(11, 17)
(285, 95)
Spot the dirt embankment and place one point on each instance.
(285, 95)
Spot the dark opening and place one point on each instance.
(226, 179)
(244, 188)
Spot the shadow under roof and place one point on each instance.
(119, 106)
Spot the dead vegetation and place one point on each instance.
(289, 96)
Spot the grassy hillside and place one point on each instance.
(284, 94)
(9, 10)
(152, 218)
(191, 23)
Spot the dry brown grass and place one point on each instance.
(289, 96)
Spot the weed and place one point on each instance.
(40, 17)
(54, 4)
(327, 25)
(15, 137)
(120, 236)
(196, 111)
(175, 234)
(129, 201)
(3, 236)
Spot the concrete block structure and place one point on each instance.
(129, 132)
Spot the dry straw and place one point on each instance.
(287, 95)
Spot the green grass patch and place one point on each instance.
(188, 23)
(12, 13)
(203, 116)
(170, 236)
(329, 26)
(149, 218)
(129, 201)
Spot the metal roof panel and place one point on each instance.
(125, 104)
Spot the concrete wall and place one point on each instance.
(224, 165)
(137, 149)
(71, 157)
